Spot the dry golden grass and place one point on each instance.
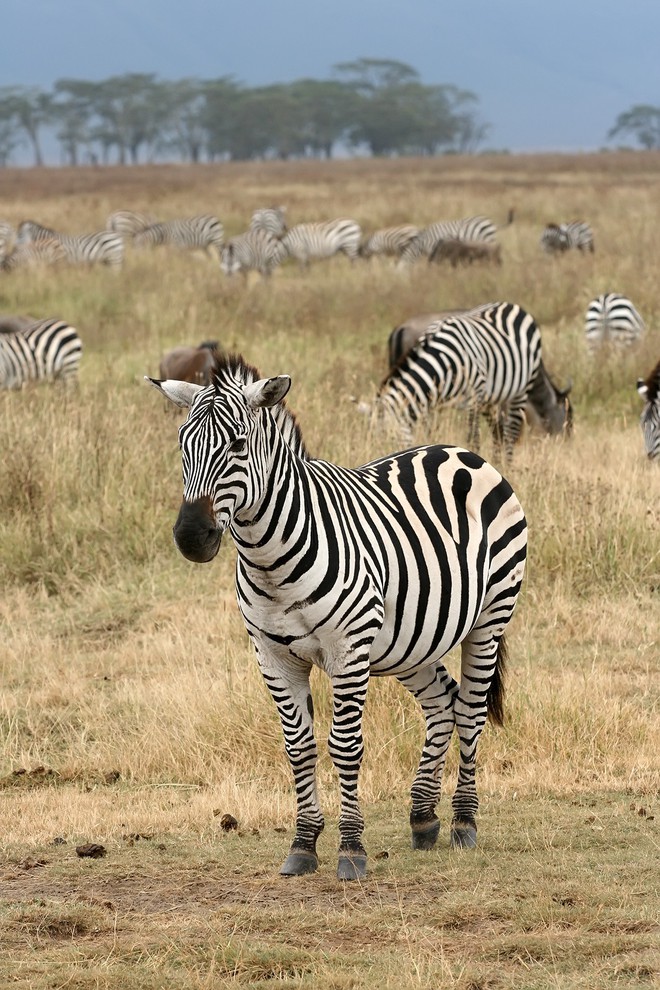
(127, 676)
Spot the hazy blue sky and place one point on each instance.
(548, 75)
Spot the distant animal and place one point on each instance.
(129, 222)
(204, 233)
(374, 571)
(389, 242)
(649, 389)
(461, 252)
(190, 364)
(45, 251)
(558, 238)
(487, 360)
(406, 334)
(49, 350)
(473, 229)
(7, 238)
(10, 323)
(311, 241)
(612, 319)
(255, 250)
(103, 247)
(272, 219)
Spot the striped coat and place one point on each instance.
(49, 350)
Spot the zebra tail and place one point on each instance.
(495, 696)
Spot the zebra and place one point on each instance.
(649, 389)
(474, 229)
(389, 242)
(45, 251)
(612, 318)
(103, 247)
(557, 238)
(48, 350)
(272, 219)
(204, 232)
(254, 250)
(7, 238)
(488, 359)
(128, 223)
(378, 570)
(323, 239)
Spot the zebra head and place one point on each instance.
(223, 453)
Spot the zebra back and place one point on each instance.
(188, 233)
(127, 223)
(101, 247)
(271, 219)
(478, 229)
(389, 241)
(612, 319)
(49, 350)
(254, 250)
(323, 239)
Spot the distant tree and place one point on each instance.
(642, 121)
(218, 114)
(9, 141)
(130, 114)
(31, 108)
(182, 112)
(72, 112)
(326, 112)
(366, 75)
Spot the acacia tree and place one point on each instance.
(642, 121)
(30, 108)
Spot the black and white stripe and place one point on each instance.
(557, 238)
(487, 360)
(375, 571)
(49, 350)
(612, 319)
(389, 242)
(128, 223)
(255, 250)
(649, 389)
(272, 219)
(477, 229)
(309, 241)
(31, 254)
(103, 247)
(204, 232)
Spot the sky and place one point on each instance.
(549, 76)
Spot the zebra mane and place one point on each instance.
(233, 367)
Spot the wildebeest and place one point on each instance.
(459, 252)
(190, 364)
(12, 323)
(408, 333)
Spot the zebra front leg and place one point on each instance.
(480, 693)
(435, 690)
(289, 687)
(346, 747)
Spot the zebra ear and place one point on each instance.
(180, 393)
(267, 392)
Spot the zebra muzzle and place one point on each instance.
(196, 534)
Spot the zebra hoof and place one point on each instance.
(297, 864)
(463, 836)
(425, 835)
(352, 866)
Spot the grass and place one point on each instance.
(131, 710)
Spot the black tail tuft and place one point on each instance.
(495, 696)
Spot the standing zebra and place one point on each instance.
(128, 223)
(49, 350)
(557, 238)
(306, 241)
(272, 219)
(376, 571)
(487, 358)
(389, 242)
(255, 250)
(474, 229)
(612, 319)
(103, 247)
(204, 233)
(649, 389)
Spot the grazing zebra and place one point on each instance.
(49, 350)
(557, 238)
(487, 359)
(389, 242)
(612, 319)
(306, 241)
(649, 389)
(46, 251)
(378, 570)
(478, 229)
(189, 234)
(128, 223)
(103, 247)
(255, 250)
(272, 219)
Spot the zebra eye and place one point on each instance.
(238, 446)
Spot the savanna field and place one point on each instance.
(132, 712)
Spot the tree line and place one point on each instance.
(379, 106)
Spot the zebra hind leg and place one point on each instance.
(435, 690)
